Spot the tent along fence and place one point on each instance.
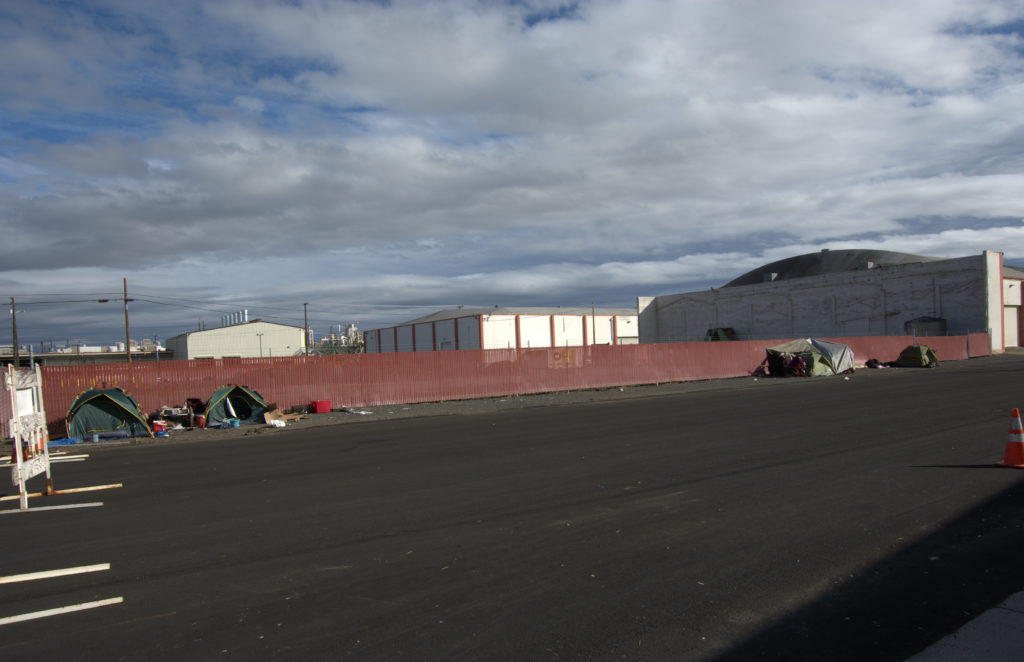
(359, 380)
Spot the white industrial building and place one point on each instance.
(507, 328)
(241, 339)
(848, 293)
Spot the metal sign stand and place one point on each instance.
(31, 455)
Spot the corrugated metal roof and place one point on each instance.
(228, 326)
(1013, 272)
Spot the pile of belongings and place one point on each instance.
(806, 357)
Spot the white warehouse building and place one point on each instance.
(240, 340)
(847, 293)
(507, 328)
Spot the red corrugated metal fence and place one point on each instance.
(357, 380)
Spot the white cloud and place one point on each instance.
(429, 152)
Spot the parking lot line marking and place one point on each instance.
(46, 574)
(36, 510)
(60, 610)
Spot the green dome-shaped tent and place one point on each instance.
(816, 357)
(108, 410)
(232, 401)
(918, 356)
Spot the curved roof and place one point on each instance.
(826, 262)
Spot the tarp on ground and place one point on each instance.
(233, 401)
(107, 411)
(918, 356)
(809, 357)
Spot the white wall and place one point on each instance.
(499, 331)
(1011, 292)
(600, 331)
(628, 330)
(534, 331)
(867, 302)
(568, 330)
(994, 297)
(1012, 312)
(241, 340)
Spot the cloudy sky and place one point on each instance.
(382, 160)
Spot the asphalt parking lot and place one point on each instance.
(806, 519)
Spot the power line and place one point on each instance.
(200, 303)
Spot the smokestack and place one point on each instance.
(245, 315)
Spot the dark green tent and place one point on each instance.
(108, 410)
(233, 401)
(918, 356)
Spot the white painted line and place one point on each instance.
(70, 505)
(58, 460)
(60, 610)
(46, 574)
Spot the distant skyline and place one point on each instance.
(379, 161)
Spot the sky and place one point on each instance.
(371, 162)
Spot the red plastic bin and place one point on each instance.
(321, 406)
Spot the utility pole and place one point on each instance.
(127, 333)
(14, 334)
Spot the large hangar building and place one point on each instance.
(846, 293)
(240, 339)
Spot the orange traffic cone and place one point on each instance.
(1014, 456)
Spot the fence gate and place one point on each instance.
(30, 455)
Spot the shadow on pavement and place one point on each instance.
(910, 600)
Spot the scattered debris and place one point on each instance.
(278, 419)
